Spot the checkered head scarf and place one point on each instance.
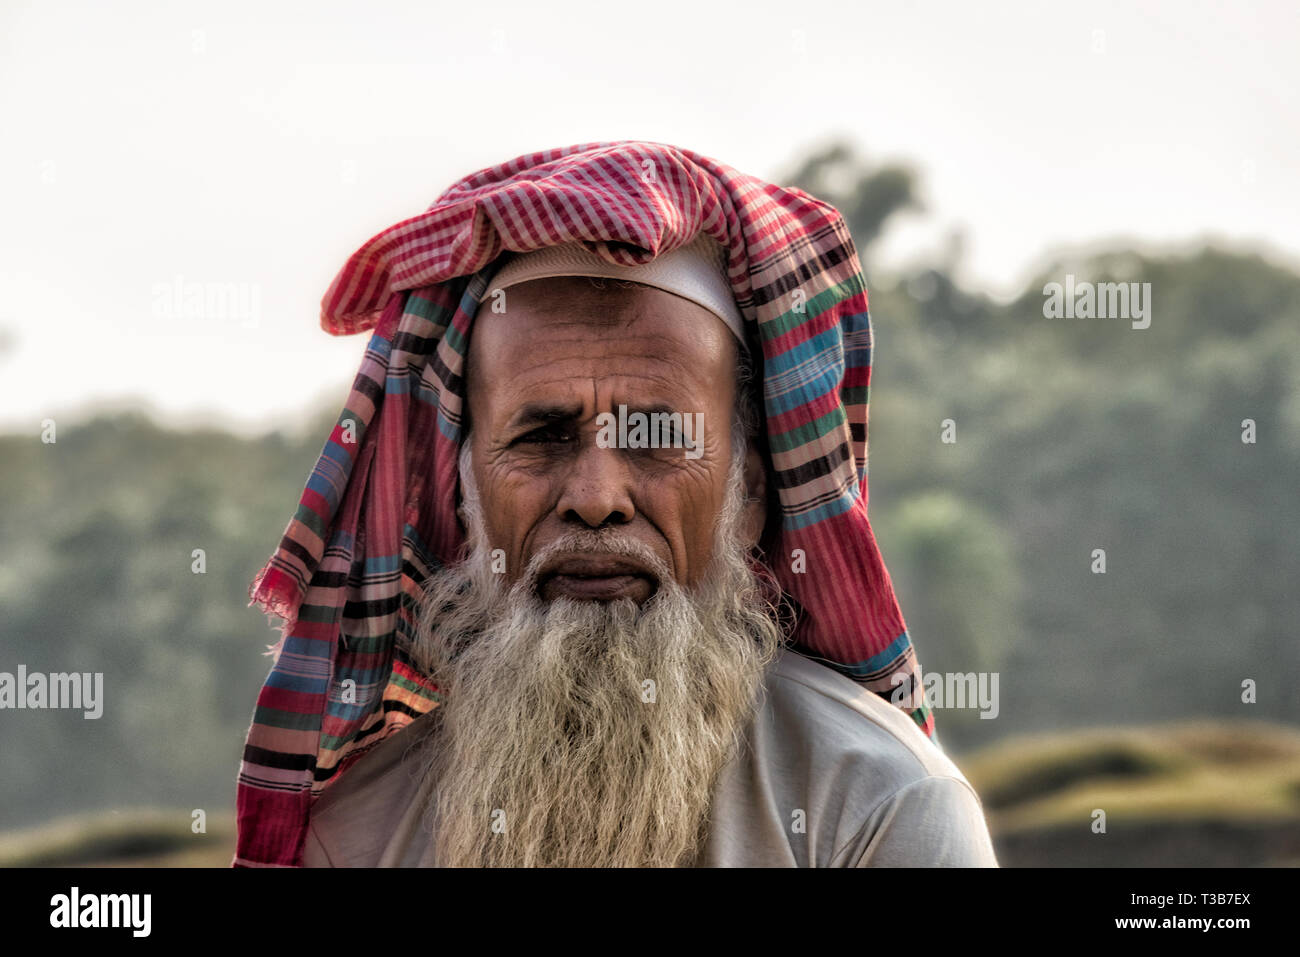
(377, 516)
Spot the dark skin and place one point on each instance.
(540, 373)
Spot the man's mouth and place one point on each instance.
(596, 578)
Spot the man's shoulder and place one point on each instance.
(833, 775)
(832, 712)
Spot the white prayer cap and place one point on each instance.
(696, 271)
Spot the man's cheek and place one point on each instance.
(516, 515)
(685, 513)
(692, 493)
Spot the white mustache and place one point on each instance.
(604, 542)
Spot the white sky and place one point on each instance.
(259, 144)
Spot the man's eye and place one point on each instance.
(670, 437)
(547, 435)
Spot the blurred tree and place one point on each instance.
(867, 197)
(957, 576)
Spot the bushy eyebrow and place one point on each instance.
(552, 413)
(544, 413)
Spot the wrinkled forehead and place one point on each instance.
(541, 333)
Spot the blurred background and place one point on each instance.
(182, 181)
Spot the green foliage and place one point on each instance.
(96, 576)
(1080, 434)
(956, 570)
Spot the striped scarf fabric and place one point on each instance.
(377, 516)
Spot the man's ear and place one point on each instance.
(754, 515)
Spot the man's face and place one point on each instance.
(562, 353)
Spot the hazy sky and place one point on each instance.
(150, 145)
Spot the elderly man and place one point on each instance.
(609, 671)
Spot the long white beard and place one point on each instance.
(587, 734)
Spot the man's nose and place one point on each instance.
(597, 490)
